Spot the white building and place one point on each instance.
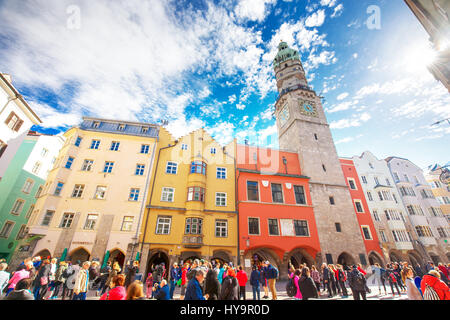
(386, 207)
(423, 209)
(16, 119)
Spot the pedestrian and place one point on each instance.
(230, 287)
(158, 273)
(194, 290)
(131, 273)
(4, 277)
(117, 291)
(327, 280)
(255, 280)
(68, 275)
(184, 281)
(175, 275)
(380, 274)
(51, 276)
(418, 270)
(272, 276)
(242, 280)
(357, 283)
(115, 271)
(392, 279)
(22, 291)
(296, 276)
(135, 291)
(397, 273)
(41, 281)
(341, 279)
(411, 290)
(212, 285)
(432, 282)
(81, 286)
(307, 286)
(429, 266)
(104, 273)
(59, 279)
(93, 273)
(193, 270)
(264, 281)
(334, 279)
(149, 285)
(17, 276)
(315, 275)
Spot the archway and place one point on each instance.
(346, 260)
(190, 256)
(80, 254)
(435, 258)
(157, 258)
(44, 254)
(261, 255)
(221, 256)
(415, 259)
(118, 256)
(375, 258)
(300, 256)
(395, 257)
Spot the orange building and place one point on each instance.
(276, 217)
(362, 211)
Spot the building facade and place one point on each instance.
(92, 203)
(23, 179)
(191, 207)
(16, 118)
(440, 190)
(363, 214)
(423, 209)
(303, 128)
(388, 213)
(276, 216)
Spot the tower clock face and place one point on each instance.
(284, 115)
(308, 108)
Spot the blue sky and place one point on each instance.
(208, 64)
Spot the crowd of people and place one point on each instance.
(39, 279)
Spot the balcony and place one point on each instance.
(193, 241)
(295, 87)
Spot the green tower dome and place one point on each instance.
(284, 54)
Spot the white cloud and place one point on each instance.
(355, 121)
(330, 3)
(338, 11)
(345, 140)
(342, 96)
(316, 19)
(240, 106)
(253, 10)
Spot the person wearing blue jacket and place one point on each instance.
(175, 275)
(255, 279)
(161, 291)
(194, 290)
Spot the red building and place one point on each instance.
(276, 217)
(362, 211)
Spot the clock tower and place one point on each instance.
(303, 127)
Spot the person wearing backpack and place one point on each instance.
(272, 276)
(59, 279)
(392, 279)
(341, 278)
(357, 283)
(433, 287)
(307, 286)
(255, 279)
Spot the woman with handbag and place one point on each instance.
(41, 281)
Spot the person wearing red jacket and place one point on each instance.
(360, 269)
(118, 292)
(184, 281)
(433, 280)
(444, 270)
(242, 280)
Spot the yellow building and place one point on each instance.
(93, 201)
(192, 211)
(440, 191)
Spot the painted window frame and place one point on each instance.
(163, 224)
(259, 226)
(165, 191)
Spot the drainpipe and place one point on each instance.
(151, 192)
(237, 205)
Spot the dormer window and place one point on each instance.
(144, 130)
(96, 124)
(121, 127)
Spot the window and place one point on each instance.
(87, 165)
(273, 227)
(221, 199)
(277, 193)
(121, 127)
(36, 168)
(134, 194)
(371, 165)
(221, 228)
(29, 212)
(100, 193)
(78, 191)
(144, 130)
(44, 152)
(396, 177)
(213, 151)
(442, 232)
(383, 236)
(332, 201)
(359, 207)
(78, 141)
(17, 207)
(299, 195)
(14, 122)
(28, 186)
(253, 226)
(338, 227)
(324, 168)
(198, 167)
(388, 182)
(376, 180)
(221, 173)
(6, 230)
(364, 179)
(184, 146)
(115, 146)
(395, 198)
(38, 193)
(47, 218)
(91, 220)
(69, 162)
(252, 191)
(96, 124)
(22, 232)
(366, 232)
(301, 228)
(351, 183)
(196, 194)
(127, 223)
(171, 168)
(406, 177)
(108, 167)
(369, 196)
(380, 195)
(167, 194)
(145, 148)
(66, 221)
(193, 226)
(95, 144)
(375, 215)
(315, 136)
(3, 147)
(58, 189)
(140, 168)
(163, 225)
